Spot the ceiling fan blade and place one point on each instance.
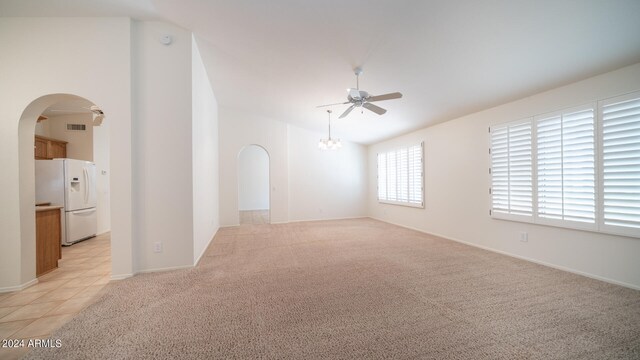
(342, 103)
(346, 112)
(376, 109)
(354, 94)
(395, 95)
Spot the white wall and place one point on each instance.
(293, 153)
(101, 146)
(68, 69)
(253, 178)
(80, 143)
(457, 183)
(163, 187)
(206, 218)
(43, 128)
(325, 184)
(239, 128)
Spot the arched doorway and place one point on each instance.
(253, 185)
(78, 114)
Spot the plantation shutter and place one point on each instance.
(415, 174)
(500, 169)
(511, 169)
(392, 173)
(580, 167)
(520, 177)
(566, 166)
(621, 163)
(382, 176)
(549, 146)
(403, 175)
(578, 157)
(400, 178)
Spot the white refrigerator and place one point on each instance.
(72, 184)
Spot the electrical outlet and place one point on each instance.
(524, 237)
(157, 247)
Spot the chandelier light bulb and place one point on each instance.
(329, 143)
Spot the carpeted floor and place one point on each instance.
(353, 289)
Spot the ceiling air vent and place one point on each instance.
(76, 127)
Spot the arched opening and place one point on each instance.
(71, 130)
(253, 185)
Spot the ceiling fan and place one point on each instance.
(361, 98)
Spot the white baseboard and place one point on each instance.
(18, 287)
(121, 276)
(205, 248)
(304, 220)
(180, 267)
(126, 276)
(329, 219)
(539, 262)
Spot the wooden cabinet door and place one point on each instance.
(46, 148)
(41, 148)
(58, 150)
(48, 236)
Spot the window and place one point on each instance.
(400, 177)
(511, 182)
(566, 165)
(621, 164)
(576, 168)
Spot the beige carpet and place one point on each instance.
(353, 289)
(254, 217)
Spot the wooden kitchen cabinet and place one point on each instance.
(48, 238)
(48, 148)
(41, 148)
(58, 149)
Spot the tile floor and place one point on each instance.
(254, 217)
(35, 312)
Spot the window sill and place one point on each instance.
(388, 202)
(570, 225)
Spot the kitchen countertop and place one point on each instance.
(49, 207)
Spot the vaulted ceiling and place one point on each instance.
(282, 58)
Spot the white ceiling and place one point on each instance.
(281, 58)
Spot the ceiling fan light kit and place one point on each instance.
(362, 99)
(357, 98)
(97, 119)
(329, 143)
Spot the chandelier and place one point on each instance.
(329, 143)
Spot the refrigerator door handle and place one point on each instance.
(86, 185)
(92, 176)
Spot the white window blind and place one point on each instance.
(621, 163)
(566, 166)
(400, 176)
(577, 168)
(511, 169)
(382, 177)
